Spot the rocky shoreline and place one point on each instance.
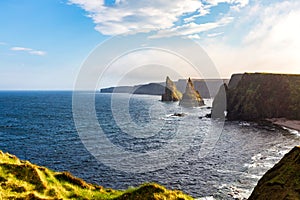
(283, 122)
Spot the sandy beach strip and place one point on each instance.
(292, 124)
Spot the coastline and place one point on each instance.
(291, 124)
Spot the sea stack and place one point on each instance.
(171, 92)
(191, 97)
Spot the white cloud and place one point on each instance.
(20, 49)
(192, 28)
(211, 35)
(29, 50)
(136, 15)
(236, 4)
(195, 36)
(271, 44)
(200, 13)
(39, 53)
(145, 16)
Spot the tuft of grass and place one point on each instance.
(153, 191)
(67, 177)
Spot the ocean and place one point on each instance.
(186, 152)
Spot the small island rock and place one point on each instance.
(191, 97)
(171, 92)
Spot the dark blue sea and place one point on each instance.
(188, 153)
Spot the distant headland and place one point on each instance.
(208, 88)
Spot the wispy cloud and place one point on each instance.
(235, 4)
(146, 16)
(2, 43)
(192, 28)
(193, 17)
(38, 53)
(211, 35)
(29, 50)
(20, 49)
(271, 42)
(195, 36)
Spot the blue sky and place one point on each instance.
(43, 43)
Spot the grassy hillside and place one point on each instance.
(23, 180)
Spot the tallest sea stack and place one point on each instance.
(171, 92)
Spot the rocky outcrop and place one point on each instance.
(23, 180)
(150, 89)
(255, 96)
(219, 103)
(191, 97)
(282, 181)
(171, 92)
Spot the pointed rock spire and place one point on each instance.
(191, 97)
(171, 92)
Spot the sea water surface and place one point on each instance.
(38, 126)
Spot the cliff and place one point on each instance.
(282, 181)
(150, 89)
(23, 180)
(191, 97)
(171, 92)
(254, 96)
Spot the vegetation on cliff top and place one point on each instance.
(23, 180)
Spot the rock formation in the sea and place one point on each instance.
(219, 103)
(255, 96)
(282, 182)
(171, 92)
(191, 97)
(23, 180)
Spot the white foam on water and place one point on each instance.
(206, 198)
(292, 131)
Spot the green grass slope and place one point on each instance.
(23, 180)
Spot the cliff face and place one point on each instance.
(282, 181)
(260, 96)
(171, 92)
(191, 97)
(151, 89)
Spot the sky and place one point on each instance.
(44, 44)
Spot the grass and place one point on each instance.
(23, 180)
